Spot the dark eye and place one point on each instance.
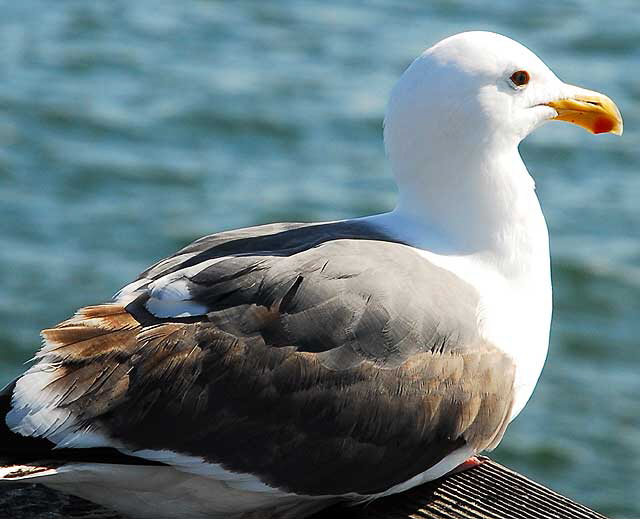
(520, 78)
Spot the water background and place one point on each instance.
(128, 129)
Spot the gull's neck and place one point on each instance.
(480, 203)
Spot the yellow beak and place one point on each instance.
(593, 111)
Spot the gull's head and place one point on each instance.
(483, 89)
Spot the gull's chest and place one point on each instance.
(516, 318)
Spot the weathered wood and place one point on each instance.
(38, 502)
(489, 491)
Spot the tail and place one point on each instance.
(20, 456)
(27, 457)
(93, 329)
(26, 460)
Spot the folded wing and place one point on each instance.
(320, 359)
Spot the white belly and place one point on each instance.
(163, 492)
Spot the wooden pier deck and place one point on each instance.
(489, 491)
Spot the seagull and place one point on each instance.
(274, 370)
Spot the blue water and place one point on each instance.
(130, 128)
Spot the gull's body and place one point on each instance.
(271, 371)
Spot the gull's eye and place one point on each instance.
(520, 78)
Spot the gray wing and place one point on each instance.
(324, 359)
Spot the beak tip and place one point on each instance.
(615, 131)
(615, 127)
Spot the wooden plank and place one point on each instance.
(489, 491)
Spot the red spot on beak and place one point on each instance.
(602, 125)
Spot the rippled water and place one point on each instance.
(129, 128)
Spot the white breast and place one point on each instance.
(517, 318)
